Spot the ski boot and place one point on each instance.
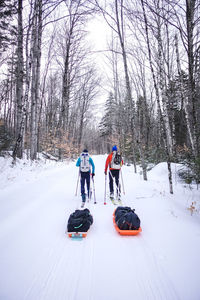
(112, 198)
(119, 199)
(83, 200)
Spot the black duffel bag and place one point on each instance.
(80, 221)
(120, 211)
(126, 218)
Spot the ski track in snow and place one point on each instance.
(102, 266)
(151, 278)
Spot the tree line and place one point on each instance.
(50, 85)
(154, 105)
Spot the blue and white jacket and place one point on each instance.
(90, 161)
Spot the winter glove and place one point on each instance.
(93, 175)
(105, 172)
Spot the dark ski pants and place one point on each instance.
(114, 174)
(85, 177)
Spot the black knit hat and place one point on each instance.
(85, 150)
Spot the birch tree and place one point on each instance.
(18, 149)
(36, 40)
(185, 20)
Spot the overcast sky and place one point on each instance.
(98, 36)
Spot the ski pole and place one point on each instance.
(77, 183)
(105, 190)
(94, 191)
(122, 182)
(90, 195)
(89, 191)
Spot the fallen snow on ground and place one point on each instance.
(39, 262)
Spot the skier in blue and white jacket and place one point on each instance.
(85, 163)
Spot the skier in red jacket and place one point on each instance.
(114, 162)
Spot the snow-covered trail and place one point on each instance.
(39, 262)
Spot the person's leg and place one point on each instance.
(116, 176)
(83, 186)
(111, 182)
(88, 183)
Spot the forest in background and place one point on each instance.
(50, 84)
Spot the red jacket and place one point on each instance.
(108, 162)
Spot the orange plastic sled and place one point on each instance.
(125, 232)
(77, 234)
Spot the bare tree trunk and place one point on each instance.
(36, 57)
(33, 124)
(190, 10)
(162, 88)
(18, 148)
(64, 114)
(28, 69)
(162, 121)
(164, 113)
(130, 107)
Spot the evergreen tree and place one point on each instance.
(107, 125)
(176, 91)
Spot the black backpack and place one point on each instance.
(126, 218)
(80, 221)
(117, 159)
